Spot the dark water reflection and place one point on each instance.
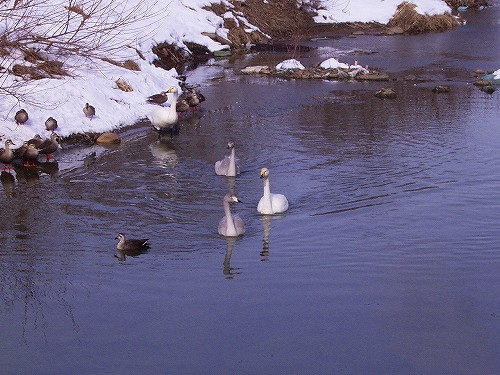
(387, 261)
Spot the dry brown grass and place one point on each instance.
(131, 65)
(27, 72)
(45, 69)
(217, 8)
(413, 22)
(32, 55)
(53, 68)
(127, 64)
(123, 85)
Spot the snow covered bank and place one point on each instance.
(373, 11)
(94, 81)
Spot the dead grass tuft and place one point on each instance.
(217, 8)
(53, 68)
(27, 72)
(45, 69)
(123, 85)
(128, 64)
(131, 65)
(32, 56)
(413, 22)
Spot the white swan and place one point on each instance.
(164, 118)
(229, 166)
(231, 225)
(271, 203)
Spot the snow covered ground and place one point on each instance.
(94, 81)
(381, 11)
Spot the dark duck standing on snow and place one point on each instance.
(51, 124)
(89, 111)
(21, 116)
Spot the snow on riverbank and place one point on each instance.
(372, 11)
(95, 81)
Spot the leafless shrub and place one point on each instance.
(78, 10)
(64, 31)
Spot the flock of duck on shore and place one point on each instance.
(164, 119)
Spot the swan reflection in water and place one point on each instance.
(266, 224)
(163, 151)
(228, 271)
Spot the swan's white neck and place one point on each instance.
(175, 96)
(231, 228)
(232, 164)
(267, 195)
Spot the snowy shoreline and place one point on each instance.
(94, 81)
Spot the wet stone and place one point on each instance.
(441, 89)
(482, 83)
(386, 93)
(109, 138)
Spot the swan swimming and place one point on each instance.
(229, 166)
(271, 203)
(164, 118)
(231, 225)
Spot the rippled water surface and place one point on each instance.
(387, 261)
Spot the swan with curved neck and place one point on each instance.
(271, 203)
(228, 166)
(164, 118)
(231, 225)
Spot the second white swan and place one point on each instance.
(231, 225)
(229, 166)
(271, 203)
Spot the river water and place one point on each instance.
(387, 261)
